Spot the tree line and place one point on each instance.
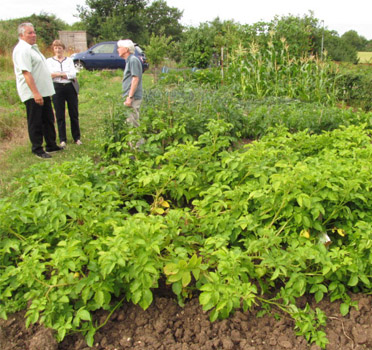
(157, 24)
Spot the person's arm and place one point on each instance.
(69, 69)
(59, 75)
(53, 72)
(132, 90)
(32, 85)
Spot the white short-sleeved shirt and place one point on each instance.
(66, 66)
(28, 58)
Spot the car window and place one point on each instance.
(104, 48)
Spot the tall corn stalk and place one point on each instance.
(270, 71)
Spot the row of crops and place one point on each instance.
(238, 197)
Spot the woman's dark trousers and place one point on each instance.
(66, 93)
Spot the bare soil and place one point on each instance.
(167, 326)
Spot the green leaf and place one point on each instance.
(136, 296)
(171, 269)
(319, 296)
(175, 278)
(61, 333)
(196, 273)
(177, 288)
(99, 298)
(86, 294)
(89, 338)
(365, 280)
(146, 300)
(214, 315)
(204, 298)
(186, 278)
(150, 269)
(64, 299)
(193, 261)
(84, 315)
(221, 305)
(3, 314)
(353, 281)
(344, 309)
(275, 275)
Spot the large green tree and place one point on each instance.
(357, 41)
(338, 48)
(201, 46)
(114, 19)
(368, 46)
(164, 20)
(198, 45)
(303, 34)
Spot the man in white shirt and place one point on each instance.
(35, 86)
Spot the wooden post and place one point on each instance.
(222, 76)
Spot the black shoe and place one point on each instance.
(54, 149)
(43, 155)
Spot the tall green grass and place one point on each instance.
(11, 108)
(8, 36)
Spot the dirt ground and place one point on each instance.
(166, 326)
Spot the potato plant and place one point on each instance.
(227, 225)
(196, 210)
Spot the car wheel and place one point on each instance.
(79, 65)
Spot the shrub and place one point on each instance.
(355, 87)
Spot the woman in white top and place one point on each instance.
(63, 74)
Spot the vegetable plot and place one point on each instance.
(236, 227)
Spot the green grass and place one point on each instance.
(365, 57)
(99, 92)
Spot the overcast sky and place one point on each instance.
(337, 15)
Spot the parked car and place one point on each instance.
(105, 55)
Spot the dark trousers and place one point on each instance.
(40, 122)
(66, 93)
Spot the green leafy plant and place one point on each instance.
(196, 210)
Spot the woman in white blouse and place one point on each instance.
(63, 74)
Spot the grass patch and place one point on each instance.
(365, 57)
(100, 91)
(12, 114)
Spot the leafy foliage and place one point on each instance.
(163, 20)
(339, 49)
(196, 209)
(358, 42)
(231, 224)
(46, 27)
(182, 113)
(157, 50)
(355, 87)
(110, 20)
(303, 34)
(198, 46)
(274, 72)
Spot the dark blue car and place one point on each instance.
(105, 55)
